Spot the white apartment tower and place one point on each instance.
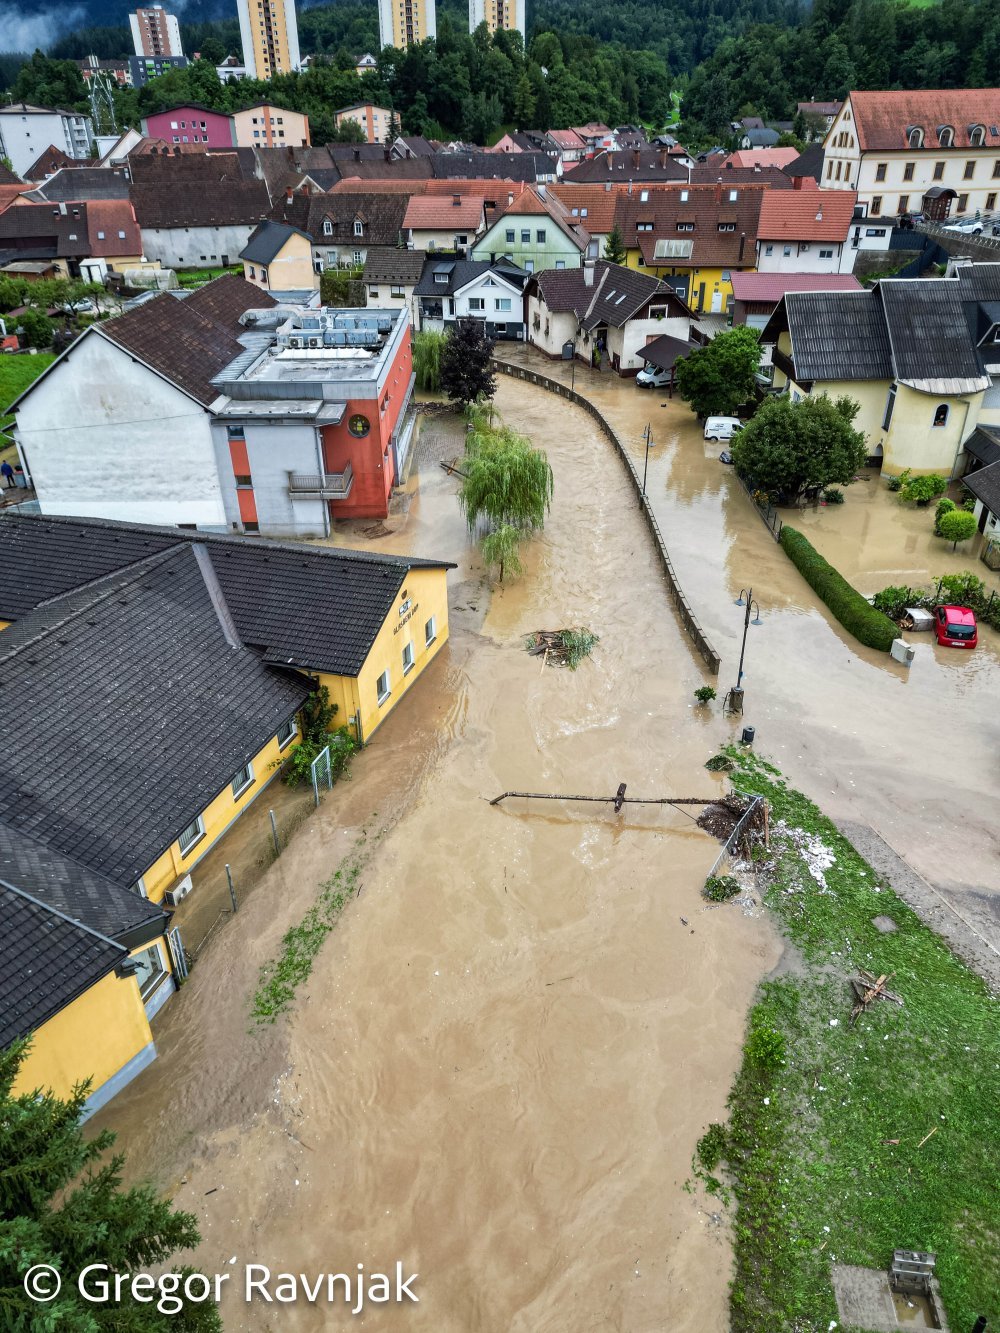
(403, 23)
(269, 31)
(155, 32)
(496, 14)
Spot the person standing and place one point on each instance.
(7, 472)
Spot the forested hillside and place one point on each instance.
(613, 60)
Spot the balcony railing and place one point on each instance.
(321, 485)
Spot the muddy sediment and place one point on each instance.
(511, 1043)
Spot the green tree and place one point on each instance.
(61, 1205)
(792, 447)
(921, 490)
(524, 102)
(465, 363)
(427, 348)
(212, 50)
(501, 548)
(507, 482)
(717, 378)
(957, 525)
(35, 329)
(614, 246)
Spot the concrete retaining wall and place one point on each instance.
(684, 610)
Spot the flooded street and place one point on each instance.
(511, 1042)
(914, 753)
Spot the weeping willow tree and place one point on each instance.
(427, 361)
(507, 488)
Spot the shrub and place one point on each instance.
(957, 525)
(720, 763)
(894, 600)
(964, 589)
(720, 888)
(868, 625)
(704, 694)
(922, 490)
(712, 1146)
(765, 1047)
(833, 496)
(35, 328)
(896, 483)
(944, 506)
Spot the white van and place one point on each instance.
(722, 428)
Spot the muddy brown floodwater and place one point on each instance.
(510, 1044)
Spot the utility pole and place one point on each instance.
(647, 435)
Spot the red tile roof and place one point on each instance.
(883, 119)
(443, 212)
(771, 287)
(705, 210)
(112, 228)
(764, 157)
(806, 215)
(598, 200)
(567, 139)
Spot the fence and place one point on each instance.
(683, 607)
(765, 508)
(733, 841)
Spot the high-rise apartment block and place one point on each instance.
(403, 23)
(155, 32)
(269, 31)
(496, 14)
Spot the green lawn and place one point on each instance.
(846, 1143)
(16, 373)
(197, 277)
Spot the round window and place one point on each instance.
(359, 425)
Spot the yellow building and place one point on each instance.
(402, 23)
(508, 14)
(178, 662)
(919, 357)
(269, 32)
(279, 258)
(264, 125)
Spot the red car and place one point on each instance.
(956, 627)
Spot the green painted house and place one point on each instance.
(536, 232)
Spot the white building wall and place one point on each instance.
(24, 136)
(490, 293)
(442, 240)
(274, 449)
(553, 329)
(800, 257)
(194, 247)
(101, 436)
(380, 294)
(638, 332)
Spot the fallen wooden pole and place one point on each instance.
(618, 800)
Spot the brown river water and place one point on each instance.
(511, 1042)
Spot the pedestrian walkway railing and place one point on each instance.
(764, 507)
(683, 607)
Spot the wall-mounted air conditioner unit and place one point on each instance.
(179, 892)
(314, 342)
(294, 342)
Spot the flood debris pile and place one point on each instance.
(868, 988)
(720, 888)
(562, 647)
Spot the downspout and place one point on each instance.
(322, 471)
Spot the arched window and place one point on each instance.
(915, 137)
(946, 136)
(977, 135)
(941, 415)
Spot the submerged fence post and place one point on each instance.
(232, 891)
(274, 834)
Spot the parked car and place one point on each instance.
(965, 226)
(651, 377)
(722, 428)
(956, 627)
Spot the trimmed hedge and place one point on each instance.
(857, 615)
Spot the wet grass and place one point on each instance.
(846, 1143)
(282, 976)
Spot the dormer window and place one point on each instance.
(327, 227)
(977, 136)
(359, 227)
(914, 136)
(946, 136)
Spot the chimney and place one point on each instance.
(743, 241)
(663, 158)
(357, 154)
(636, 158)
(630, 187)
(288, 193)
(607, 187)
(408, 154)
(387, 153)
(510, 198)
(797, 182)
(588, 275)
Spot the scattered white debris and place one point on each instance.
(767, 1101)
(834, 1022)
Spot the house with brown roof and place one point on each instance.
(894, 148)
(694, 238)
(444, 221)
(82, 239)
(278, 258)
(343, 225)
(535, 231)
(567, 144)
(390, 277)
(805, 230)
(633, 164)
(197, 210)
(603, 310)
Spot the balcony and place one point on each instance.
(783, 362)
(321, 485)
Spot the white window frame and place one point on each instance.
(244, 778)
(430, 631)
(502, 303)
(156, 978)
(286, 734)
(408, 658)
(383, 687)
(359, 227)
(199, 826)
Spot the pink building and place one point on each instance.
(190, 124)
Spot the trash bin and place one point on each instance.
(748, 735)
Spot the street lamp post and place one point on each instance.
(648, 437)
(746, 599)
